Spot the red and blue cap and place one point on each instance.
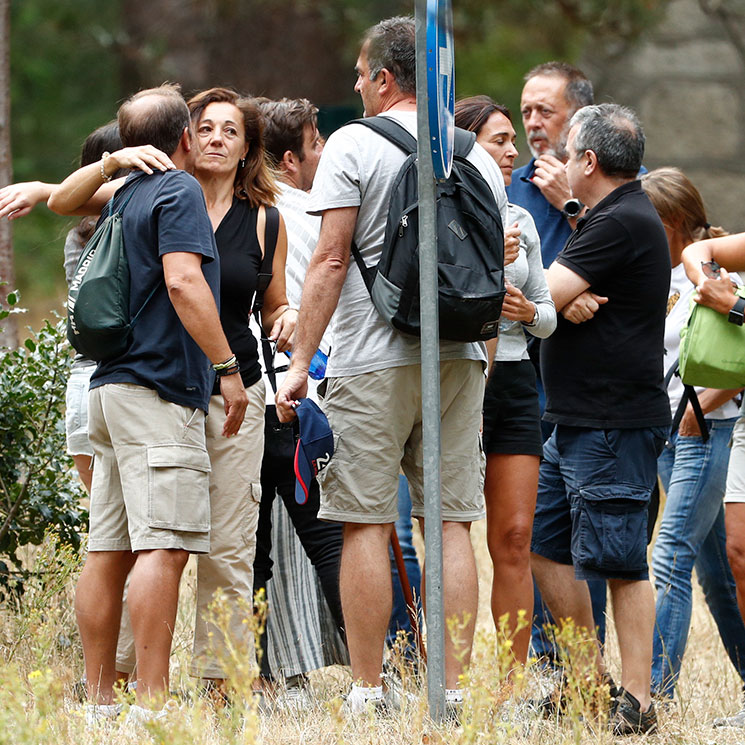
(314, 449)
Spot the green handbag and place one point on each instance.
(712, 350)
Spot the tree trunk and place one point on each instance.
(9, 330)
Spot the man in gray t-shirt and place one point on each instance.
(373, 399)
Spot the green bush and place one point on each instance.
(38, 492)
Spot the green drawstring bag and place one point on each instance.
(99, 325)
(712, 350)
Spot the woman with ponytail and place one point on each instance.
(692, 470)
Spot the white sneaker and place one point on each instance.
(96, 714)
(356, 703)
(138, 715)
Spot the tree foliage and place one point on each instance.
(37, 491)
(72, 62)
(64, 83)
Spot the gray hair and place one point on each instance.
(578, 91)
(391, 44)
(614, 133)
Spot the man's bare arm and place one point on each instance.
(321, 289)
(564, 285)
(195, 305)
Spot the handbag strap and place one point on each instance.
(271, 232)
(689, 394)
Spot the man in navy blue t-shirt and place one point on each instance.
(150, 497)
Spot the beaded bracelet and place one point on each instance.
(103, 170)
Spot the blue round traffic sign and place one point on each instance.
(441, 85)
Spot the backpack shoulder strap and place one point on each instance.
(368, 272)
(464, 142)
(121, 189)
(271, 231)
(391, 130)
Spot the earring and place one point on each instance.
(243, 162)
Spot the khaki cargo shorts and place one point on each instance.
(377, 424)
(150, 472)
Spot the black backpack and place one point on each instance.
(470, 246)
(99, 325)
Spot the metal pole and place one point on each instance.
(435, 612)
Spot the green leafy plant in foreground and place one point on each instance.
(37, 489)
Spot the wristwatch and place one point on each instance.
(572, 208)
(737, 314)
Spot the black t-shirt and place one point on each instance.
(166, 214)
(607, 372)
(240, 261)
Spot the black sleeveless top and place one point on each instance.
(240, 260)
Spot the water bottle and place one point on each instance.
(317, 369)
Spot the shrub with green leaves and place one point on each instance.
(38, 491)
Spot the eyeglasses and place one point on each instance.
(711, 269)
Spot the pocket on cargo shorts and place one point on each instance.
(250, 517)
(178, 488)
(610, 530)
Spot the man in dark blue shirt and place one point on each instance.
(552, 93)
(150, 497)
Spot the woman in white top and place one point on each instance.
(692, 469)
(512, 434)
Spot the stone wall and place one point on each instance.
(686, 80)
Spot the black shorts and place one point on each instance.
(512, 419)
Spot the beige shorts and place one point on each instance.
(735, 491)
(235, 496)
(377, 422)
(150, 472)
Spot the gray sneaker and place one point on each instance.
(294, 700)
(627, 718)
(395, 695)
(736, 720)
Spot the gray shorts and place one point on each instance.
(150, 472)
(377, 423)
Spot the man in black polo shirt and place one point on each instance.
(602, 370)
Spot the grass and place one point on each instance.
(41, 659)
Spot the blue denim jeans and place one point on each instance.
(399, 615)
(593, 494)
(692, 534)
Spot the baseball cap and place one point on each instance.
(314, 449)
